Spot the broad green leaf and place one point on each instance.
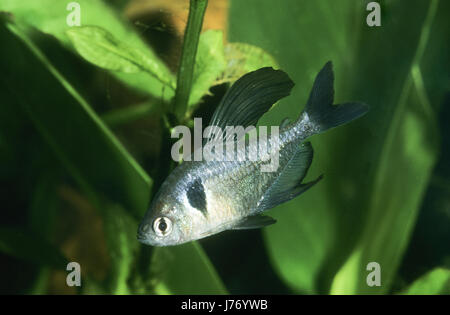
(242, 58)
(28, 246)
(401, 175)
(376, 169)
(50, 17)
(209, 64)
(436, 281)
(101, 48)
(377, 242)
(216, 63)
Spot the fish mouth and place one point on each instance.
(143, 233)
(142, 237)
(146, 239)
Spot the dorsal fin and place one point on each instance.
(249, 98)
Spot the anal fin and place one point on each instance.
(289, 185)
(254, 222)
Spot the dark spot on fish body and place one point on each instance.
(196, 196)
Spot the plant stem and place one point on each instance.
(197, 10)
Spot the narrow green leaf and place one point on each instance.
(101, 48)
(436, 281)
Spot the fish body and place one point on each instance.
(202, 198)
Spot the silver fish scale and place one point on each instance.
(238, 186)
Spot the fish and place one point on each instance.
(202, 198)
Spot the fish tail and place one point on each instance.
(320, 109)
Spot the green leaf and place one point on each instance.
(401, 175)
(120, 231)
(101, 48)
(377, 168)
(387, 232)
(28, 246)
(170, 265)
(243, 58)
(436, 281)
(49, 16)
(216, 64)
(209, 64)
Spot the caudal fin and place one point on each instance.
(320, 108)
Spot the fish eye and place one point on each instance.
(162, 226)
